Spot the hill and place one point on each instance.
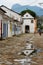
(18, 8)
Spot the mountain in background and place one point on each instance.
(18, 8)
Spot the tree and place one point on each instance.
(29, 11)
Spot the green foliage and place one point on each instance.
(39, 26)
(29, 11)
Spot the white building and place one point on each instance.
(1, 20)
(14, 21)
(28, 23)
(14, 24)
(11, 13)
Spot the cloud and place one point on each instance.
(9, 3)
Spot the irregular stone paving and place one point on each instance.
(10, 47)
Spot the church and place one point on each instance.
(29, 23)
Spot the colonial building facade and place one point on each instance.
(29, 23)
(12, 23)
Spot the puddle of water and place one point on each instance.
(39, 50)
(23, 61)
(27, 52)
(26, 61)
(29, 46)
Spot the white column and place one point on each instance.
(9, 32)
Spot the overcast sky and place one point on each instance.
(9, 3)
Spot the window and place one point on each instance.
(26, 15)
(31, 21)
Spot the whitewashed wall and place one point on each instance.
(19, 30)
(12, 14)
(9, 32)
(0, 17)
(27, 21)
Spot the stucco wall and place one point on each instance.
(9, 32)
(12, 14)
(31, 25)
(27, 21)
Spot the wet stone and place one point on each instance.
(12, 47)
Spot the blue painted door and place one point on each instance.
(5, 30)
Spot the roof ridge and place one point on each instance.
(9, 9)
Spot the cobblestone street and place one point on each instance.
(10, 47)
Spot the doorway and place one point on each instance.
(27, 29)
(5, 30)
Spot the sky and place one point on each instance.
(9, 3)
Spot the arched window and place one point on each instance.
(31, 21)
(26, 15)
